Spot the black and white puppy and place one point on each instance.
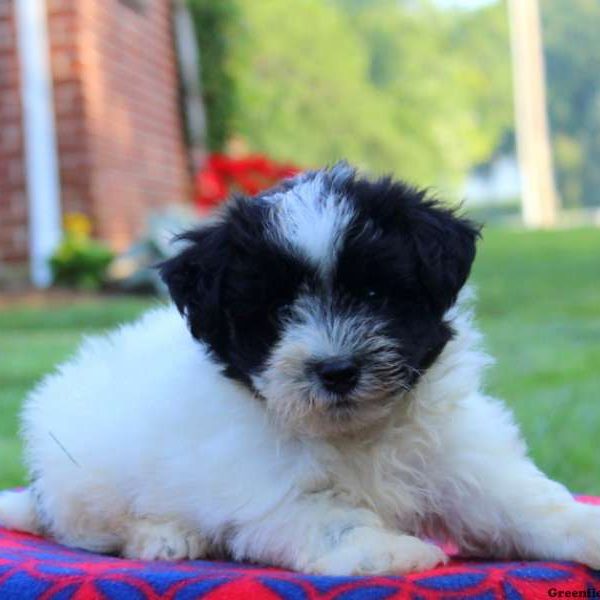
(324, 415)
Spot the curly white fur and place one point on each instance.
(204, 468)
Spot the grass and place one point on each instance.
(32, 342)
(538, 304)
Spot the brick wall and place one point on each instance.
(64, 33)
(130, 92)
(13, 202)
(118, 119)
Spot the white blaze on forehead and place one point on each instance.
(312, 219)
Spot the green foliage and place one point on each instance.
(80, 262)
(448, 75)
(572, 47)
(301, 85)
(391, 85)
(214, 24)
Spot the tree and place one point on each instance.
(572, 47)
(448, 73)
(301, 86)
(390, 85)
(214, 24)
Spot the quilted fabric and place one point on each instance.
(33, 568)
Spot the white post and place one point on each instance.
(41, 162)
(539, 196)
(189, 71)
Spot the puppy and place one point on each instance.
(325, 415)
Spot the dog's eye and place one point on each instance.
(375, 297)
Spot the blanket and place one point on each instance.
(36, 568)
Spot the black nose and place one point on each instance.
(338, 375)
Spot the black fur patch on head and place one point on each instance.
(432, 246)
(403, 259)
(233, 285)
(412, 256)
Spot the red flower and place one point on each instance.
(223, 175)
(213, 188)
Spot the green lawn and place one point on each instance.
(32, 342)
(539, 306)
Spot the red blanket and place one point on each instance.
(33, 568)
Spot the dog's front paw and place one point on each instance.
(368, 551)
(163, 540)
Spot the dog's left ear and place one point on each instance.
(445, 244)
(194, 278)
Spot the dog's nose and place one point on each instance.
(338, 375)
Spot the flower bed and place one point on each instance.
(223, 175)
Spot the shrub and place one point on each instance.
(213, 24)
(79, 261)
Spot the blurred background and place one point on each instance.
(124, 121)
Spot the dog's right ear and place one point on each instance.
(194, 278)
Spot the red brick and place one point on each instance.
(10, 139)
(119, 156)
(6, 9)
(59, 7)
(7, 34)
(15, 172)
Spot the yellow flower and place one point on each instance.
(78, 225)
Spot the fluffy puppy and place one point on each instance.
(325, 414)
